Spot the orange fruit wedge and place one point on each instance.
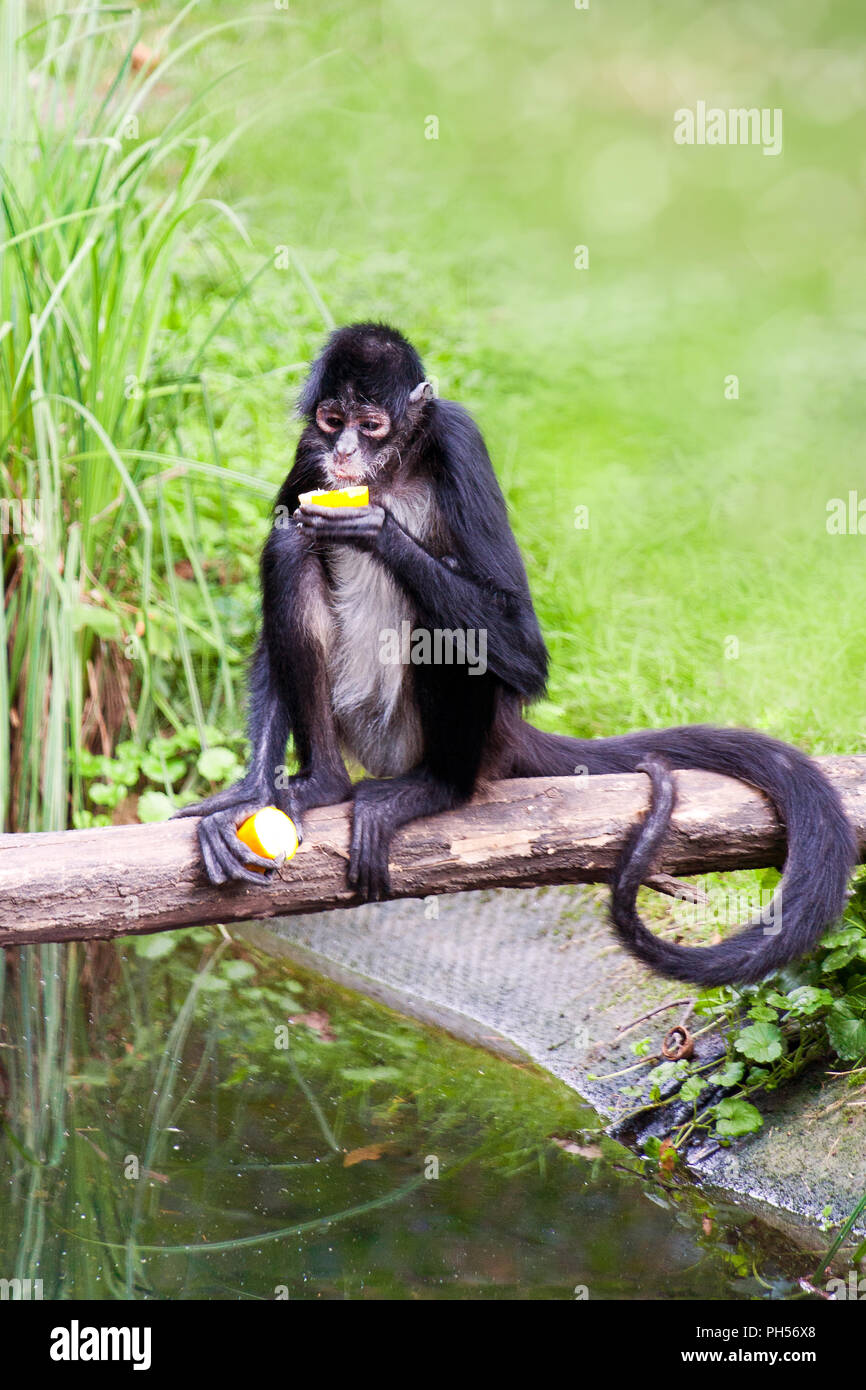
(270, 833)
(340, 497)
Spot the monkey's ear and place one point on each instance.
(422, 392)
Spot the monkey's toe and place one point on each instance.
(368, 858)
(212, 860)
(225, 826)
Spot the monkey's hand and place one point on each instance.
(224, 855)
(357, 526)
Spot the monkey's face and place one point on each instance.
(356, 441)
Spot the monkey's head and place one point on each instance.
(364, 398)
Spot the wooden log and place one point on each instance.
(126, 880)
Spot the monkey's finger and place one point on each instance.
(333, 513)
(343, 517)
(368, 861)
(211, 860)
(373, 876)
(234, 869)
(362, 529)
(378, 887)
(354, 857)
(242, 855)
(221, 864)
(240, 871)
(318, 524)
(221, 859)
(376, 881)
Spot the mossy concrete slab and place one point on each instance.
(538, 973)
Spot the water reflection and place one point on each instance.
(187, 1118)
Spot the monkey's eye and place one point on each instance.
(328, 421)
(373, 425)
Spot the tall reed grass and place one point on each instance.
(104, 209)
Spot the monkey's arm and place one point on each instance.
(295, 619)
(287, 693)
(446, 592)
(222, 852)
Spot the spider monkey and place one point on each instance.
(435, 549)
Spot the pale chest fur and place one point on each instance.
(373, 700)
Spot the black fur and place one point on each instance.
(376, 361)
(466, 572)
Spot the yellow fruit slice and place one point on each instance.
(340, 497)
(270, 833)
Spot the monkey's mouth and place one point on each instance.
(347, 479)
(364, 472)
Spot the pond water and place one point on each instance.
(169, 1133)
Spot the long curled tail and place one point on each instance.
(821, 853)
(737, 959)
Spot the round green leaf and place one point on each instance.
(848, 1035)
(735, 1117)
(154, 806)
(217, 764)
(762, 1042)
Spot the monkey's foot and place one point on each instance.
(368, 854)
(224, 855)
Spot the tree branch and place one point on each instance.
(125, 880)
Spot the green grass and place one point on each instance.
(101, 228)
(602, 387)
(152, 339)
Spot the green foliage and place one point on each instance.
(156, 946)
(846, 1030)
(369, 1076)
(218, 765)
(736, 1117)
(119, 270)
(728, 1075)
(664, 1074)
(813, 1009)
(159, 776)
(154, 806)
(761, 1042)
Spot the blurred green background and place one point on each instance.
(189, 200)
(671, 409)
(601, 387)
